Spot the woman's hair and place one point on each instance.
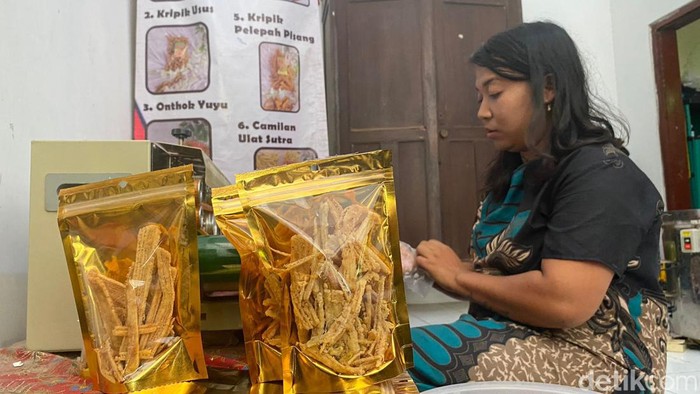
(544, 55)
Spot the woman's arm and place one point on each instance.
(562, 294)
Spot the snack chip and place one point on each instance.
(131, 249)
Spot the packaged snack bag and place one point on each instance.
(131, 248)
(260, 295)
(328, 227)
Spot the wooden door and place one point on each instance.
(398, 78)
(461, 26)
(381, 99)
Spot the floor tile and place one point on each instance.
(429, 296)
(682, 383)
(424, 314)
(458, 308)
(688, 361)
(416, 321)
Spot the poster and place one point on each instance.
(240, 79)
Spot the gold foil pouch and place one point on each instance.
(260, 294)
(328, 227)
(131, 248)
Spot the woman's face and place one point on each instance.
(505, 108)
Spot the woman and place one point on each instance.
(564, 282)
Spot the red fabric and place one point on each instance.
(39, 372)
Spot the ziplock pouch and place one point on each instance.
(415, 279)
(131, 248)
(329, 229)
(260, 295)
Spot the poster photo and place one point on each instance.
(243, 78)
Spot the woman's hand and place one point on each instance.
(443, 265)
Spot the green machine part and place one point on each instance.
(693, 157)
(219, 263)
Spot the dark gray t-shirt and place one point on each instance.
(598, 206)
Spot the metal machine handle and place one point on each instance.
(181, 135)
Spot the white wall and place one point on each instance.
(65, 74)
(689, 54)
(636, 85)
(589, 25)
(615, 41)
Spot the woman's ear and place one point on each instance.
(549, 89)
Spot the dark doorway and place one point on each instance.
(672, 123)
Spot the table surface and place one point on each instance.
(27, 371)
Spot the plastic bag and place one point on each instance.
(329, 228)
(131, 249)
(415, 279)
(260, 294)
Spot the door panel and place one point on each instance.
(383, 63)
(410, 184)
(461, 27)
(380, 69)
(399, 73)
(463, 164)
(460, 30)
(411, 187)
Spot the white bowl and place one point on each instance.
(505, 388)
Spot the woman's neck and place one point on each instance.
(527, 156)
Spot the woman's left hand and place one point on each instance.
(443, 265)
